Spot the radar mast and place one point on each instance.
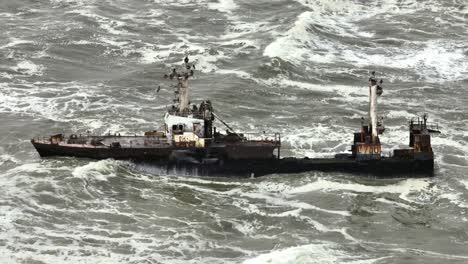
(375, 89)
(182, 92)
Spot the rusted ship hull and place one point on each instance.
(384, 168)
(159, 152)
(198, 161)
(46, 150)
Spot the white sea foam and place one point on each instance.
(76, 2)
(6, 75)
(114, 41)
(419, 252)
(465, 183)
(97, 170)
(437, 60)
(203, 59)
(150, 55)
(322, 184)
(343, 90)
(449, 142)
(15, 42)
(216, 181)
(396, 204)
(8, 215)
(291, 203)
(454, 197)
(112, 26)
(206, 62)
(248, 206)
(312, 253)
(23, 170)
(226, 6)
(7, 158)
(296, 44)
(237, 29)
(8, 15)
(30, 167)
(29, 68)
(409, 189)
(246, 227)
(302, 142)
(69, 102)
(178, 2)
(399, 114)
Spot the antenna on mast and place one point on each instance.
(182, 87)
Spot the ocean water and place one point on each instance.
(295, 67)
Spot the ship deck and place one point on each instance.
(135, 142)
(106, 141)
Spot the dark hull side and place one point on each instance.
(385, 168)
(159, 152)
(193, 161)
(46, 150)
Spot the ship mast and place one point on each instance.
(374, 91)
(366, 144)
(182, 92)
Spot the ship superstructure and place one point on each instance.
(188, 136)
(366, 145)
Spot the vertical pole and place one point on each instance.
(183, 94)
(373, 111)
(279, 146)
(369, 117)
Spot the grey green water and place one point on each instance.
(295, 67)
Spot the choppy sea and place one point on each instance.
(295, 67)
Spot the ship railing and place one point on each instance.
(194, 113)
(115, 135)
(41, 139)
(380, 122)
(130, 140)
(432, 126)
(262, 137)
(419, 125)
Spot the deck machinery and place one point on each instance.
(189, 141)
